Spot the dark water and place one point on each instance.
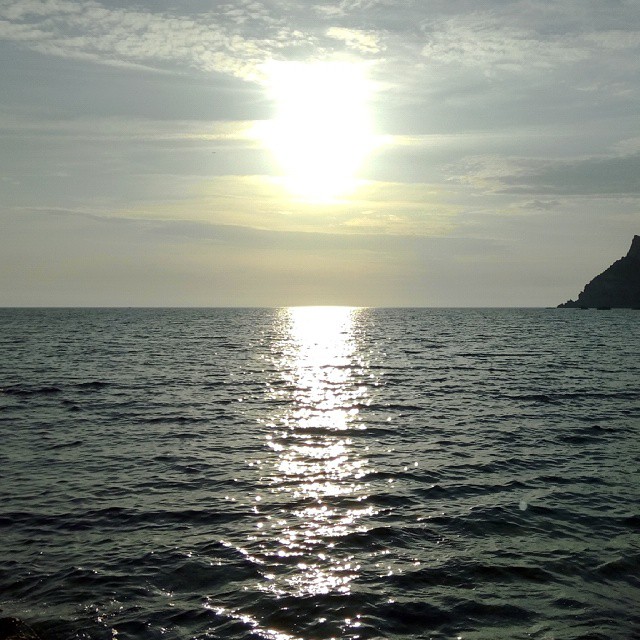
(321, 473)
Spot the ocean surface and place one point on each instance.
(316, 473)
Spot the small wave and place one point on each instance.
(416, 475)
(467, 575)
(92, 384)
(20, 390)
(65, 445)
(484, 613)
(627, 568)
(412, 617)
(117, 519)
(559, 397)
(483, 521)
(170, 419)
(370, 538)
(200, 575)
(180, 435)
(587, 434)
(535, 397)
(391, 406)
(579, 439)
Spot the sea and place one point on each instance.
(316, 473)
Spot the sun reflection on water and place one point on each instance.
(315, 475)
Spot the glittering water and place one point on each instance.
(321, 473)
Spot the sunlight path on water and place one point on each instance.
(312, 477)
(315, 464)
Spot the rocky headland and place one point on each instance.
(616, 287)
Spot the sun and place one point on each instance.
(322, 129)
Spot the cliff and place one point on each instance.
(617, 286)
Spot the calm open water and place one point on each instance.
(320, 473)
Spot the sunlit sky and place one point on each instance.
(361, 152)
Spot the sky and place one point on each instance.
(355, 152)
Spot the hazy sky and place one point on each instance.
(364, 152)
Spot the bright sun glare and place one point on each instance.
(322, 130)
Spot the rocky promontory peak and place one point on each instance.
(616, 287)
(634, 251)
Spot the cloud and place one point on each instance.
(628, 146)
(344, 7)
(363, 41)
(481, 42)
(260, 202)
(484, 172)
(130, 129)
(535, 37)
(597, 176)
(234, 39)
(539, 205)
(600, 176)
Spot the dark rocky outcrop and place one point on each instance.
(616, 287)
(14, 629)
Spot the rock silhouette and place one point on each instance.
(616, 287)
(14, 629)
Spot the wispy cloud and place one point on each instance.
(536, 43)
(482, 44)
(363, 41)
(613, 176)
(260, 202)
(130, 129)
(603, 176)
(233, 39)
(238, 37)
